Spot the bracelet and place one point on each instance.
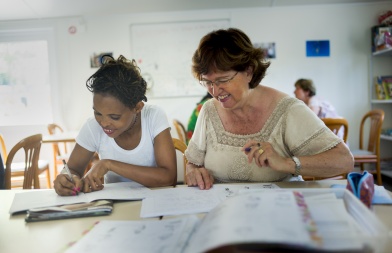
(297, 166)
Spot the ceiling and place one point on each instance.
(42, 9)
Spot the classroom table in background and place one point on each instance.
(53, 236)
(61, 137)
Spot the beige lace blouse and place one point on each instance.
(292, 129)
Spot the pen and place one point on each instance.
(67, 170)
(248, 149)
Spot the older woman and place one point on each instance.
(249, 132)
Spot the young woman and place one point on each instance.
(132, 139)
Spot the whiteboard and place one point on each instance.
(163, 52)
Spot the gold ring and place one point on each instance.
(261, 151)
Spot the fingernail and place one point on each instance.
(78, 189)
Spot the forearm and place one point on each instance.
(147, 176)
(338, 160)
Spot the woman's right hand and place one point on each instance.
(65, 187)
(198, 176)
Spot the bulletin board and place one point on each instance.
(163, 52)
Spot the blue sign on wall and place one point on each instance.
(317, 48)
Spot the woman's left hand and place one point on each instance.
(93, 179)
(264, 155)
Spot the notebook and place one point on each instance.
(95, 208)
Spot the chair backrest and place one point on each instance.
(335, 124)
(31, 146)
(180, 130)
(56, 129)
(181, 146)
(376, 118)
(3, 148)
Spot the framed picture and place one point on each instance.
(317, 48)
(268, 48)
(96, 59)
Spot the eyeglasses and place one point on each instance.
(209, 84)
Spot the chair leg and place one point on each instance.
(48, 178)
(36, 181)
(55, 171)
(362, 167)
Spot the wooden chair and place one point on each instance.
(30, 171)
(180, 130)
(334, 124)
(60, 151)
(370, 129)
(181, 146)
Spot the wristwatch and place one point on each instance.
(297, 166)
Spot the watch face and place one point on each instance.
(297, 165)
(296, 160)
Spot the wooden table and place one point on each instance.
(63, 137)
(54, 236)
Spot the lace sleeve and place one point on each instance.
(196, 150)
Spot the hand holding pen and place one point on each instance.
(75, 190)
(254, 151)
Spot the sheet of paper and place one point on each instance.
(180, 200)
(45, 198)
(234, 189)
(164, 236)
(191, 200)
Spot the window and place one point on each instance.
(25, 88)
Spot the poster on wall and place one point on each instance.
(268, 49)
(25, 86)
(317, 48)
(96, 59)
(163, 52)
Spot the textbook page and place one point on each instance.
(269, 218)
(163, 236)
(45, 198)
(180, 200)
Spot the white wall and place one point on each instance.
(342, 78)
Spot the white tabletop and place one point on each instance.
(53, 236)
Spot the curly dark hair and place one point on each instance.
(229, 49)
(119, 78)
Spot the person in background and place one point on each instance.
(250, 132)
(306, 91)
(132, 139)
(192, 120)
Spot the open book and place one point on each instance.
(95, 208)
(275, 220)
(49, 198)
